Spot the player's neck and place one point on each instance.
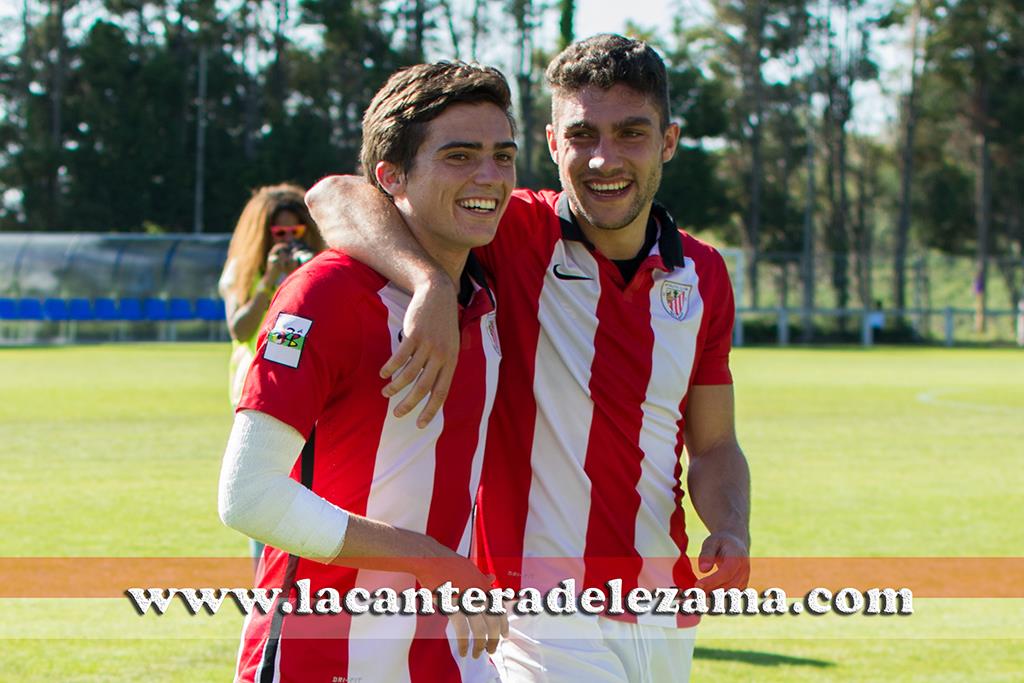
(452, 259)
(619, 244)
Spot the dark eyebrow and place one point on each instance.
(618, 125)
(459, 144)
(634, 121)
(578, 124)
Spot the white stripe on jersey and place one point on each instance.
(493, 356)
(674, 348)
(372, 633)
(394, 474)
(567, 313)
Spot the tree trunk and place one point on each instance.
(755, 87)
(200, 187)
(476, 28)
(419, 20)
(841, 244)
(453, 35)
(58, 9)
(566, 15)
(907, 174)
(862, 228)
(277, 84)
(522, 15)
(807, 262)
(983, 216)
(251, 111)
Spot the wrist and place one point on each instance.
(739, 533)
(433, 280)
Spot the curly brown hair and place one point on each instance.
(251, 241)
(608, 59)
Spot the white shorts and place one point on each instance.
(569, 648)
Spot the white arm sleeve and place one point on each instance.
(258, 497)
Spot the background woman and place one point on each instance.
(273, 237)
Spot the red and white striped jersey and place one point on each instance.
(331, 327)
(582, 477)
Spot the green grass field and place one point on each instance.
(113, 451)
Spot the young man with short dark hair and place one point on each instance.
(372, 502)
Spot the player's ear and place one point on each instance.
(670, 140)
(552, 135)
(390, 177)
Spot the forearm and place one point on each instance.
(719, 485)
(372, 544)
(258, 497)
(357, 218)
(244, 320)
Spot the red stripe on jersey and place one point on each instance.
(430, 655)
(682, 572)
(452, 499)
(507, 473)
(618, 384)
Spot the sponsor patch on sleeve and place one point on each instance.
(286, 339)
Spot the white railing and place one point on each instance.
(871, 320)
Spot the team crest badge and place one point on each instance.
(286, 339)
(675, 297)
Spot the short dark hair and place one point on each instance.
(394, 125)
(607, 59)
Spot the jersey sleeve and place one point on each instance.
(305, 347)
(521, 226)
(713, 367)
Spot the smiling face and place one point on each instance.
(609, 146)
(459, 182)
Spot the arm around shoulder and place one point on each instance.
(358, 219)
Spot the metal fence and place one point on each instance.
(75, 286)
(940, 303)
(91, 265)
(79, 286)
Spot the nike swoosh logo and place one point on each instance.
(561, 275)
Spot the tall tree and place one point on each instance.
(526, 16)
(691, 187)
(846, 26)
(910, 115)
(58, 65)
(745, 36)
(969, 44)
(566, 17)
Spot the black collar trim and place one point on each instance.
(473, 277)
(670, 244)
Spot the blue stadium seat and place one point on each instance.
(180, 309)
(80, 309)
(129, 309)
(8, 309)
(155, 309)
(55, 309)
(210, 309)
(105, 309)
(30, 309)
